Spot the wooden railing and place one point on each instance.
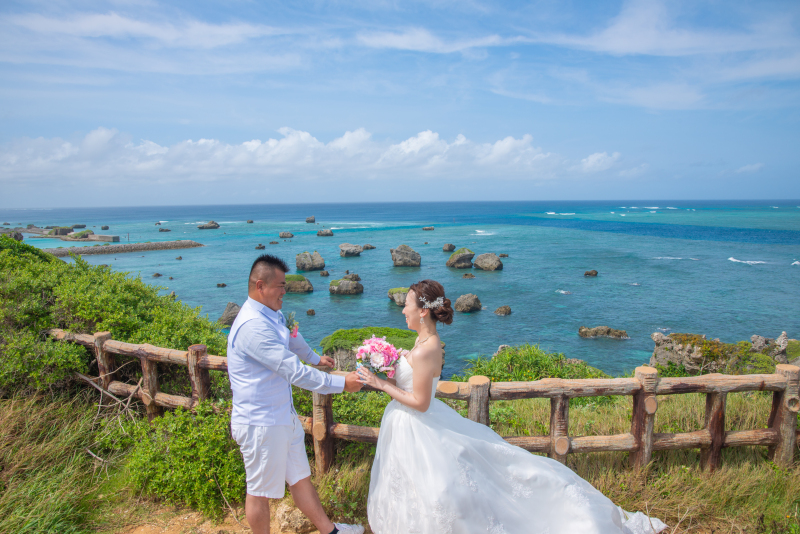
(780, 436)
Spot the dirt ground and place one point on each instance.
(183, 522)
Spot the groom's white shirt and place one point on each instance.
(264, 362)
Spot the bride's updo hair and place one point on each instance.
(430, 290)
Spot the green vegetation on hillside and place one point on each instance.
(295, 278)
(734, 358)
(81, 235)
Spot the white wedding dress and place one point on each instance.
(436, 472)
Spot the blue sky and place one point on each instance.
(142, 102)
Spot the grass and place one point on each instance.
(335, 283)
(793, 350)
(295, 278)
(462, 250)
(398, 290)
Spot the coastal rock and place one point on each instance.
(468, 276)
(158, 224)
(273, 242)
(311, 312)
(127, 247)
(503, 255)
(428, 228)
(590, 273)
(157, 275)
(398, 295)
(310, 219)
(164, 230)
(327, 232)
(759, 343)
(405, 256)
(249, 221)
(468, 303)
(210, 225)
(346, 250)
(293, 520)
(425, 243)
(286, 235)
(172, 295)
(345, 287)
(488, 262)
(104, 227)
(61, 231)
(690, 356)
(602, 331)
(179, 258)
(353, 277)
(6, 224)
(461, 259)
(230, 313)
(297, 283)
(222, 285)
(503, 310)
(16, 236)
(260, 247)
(74, 226)
(323, 273)
(309, 262)
(368, 247)
(448, 247)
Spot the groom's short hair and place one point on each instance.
(264, 267)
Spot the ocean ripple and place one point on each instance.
(747, 262)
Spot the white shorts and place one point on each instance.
(273, 455)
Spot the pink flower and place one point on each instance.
(294, 331)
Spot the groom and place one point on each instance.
(264, 360)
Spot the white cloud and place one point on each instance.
(599, 161)
(421, 40)
(634, 171)
(105, 154)
(753, 167)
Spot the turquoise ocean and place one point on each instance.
(724, 269)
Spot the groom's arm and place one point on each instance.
(299, 346)
(264, 346)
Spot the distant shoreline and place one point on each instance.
(121, 249)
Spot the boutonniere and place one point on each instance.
(292, 324)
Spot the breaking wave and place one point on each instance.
(563, 292)
(747, 262)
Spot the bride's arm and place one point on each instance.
(424, 369)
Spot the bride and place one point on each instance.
(436, 472)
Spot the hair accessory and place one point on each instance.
(435, 304)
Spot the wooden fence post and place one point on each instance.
(321, 431)
(785, 405)
(559, 428)
(150, 388)
(478, 404)
(199, 377)
(645, 405)
(711, 456)
(105, 361)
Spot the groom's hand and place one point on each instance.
(327, 361)
(351, 383)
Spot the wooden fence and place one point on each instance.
(781, 435)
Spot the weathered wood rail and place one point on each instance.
(781, 435)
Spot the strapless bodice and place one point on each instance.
(404, 376)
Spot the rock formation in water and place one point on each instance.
(310, 219)
(249, 221)
(297, 283)
(428, 228)
(260, 247)
(345, 287)
(309, 262)
(448, 247)
(210, 225)
(488, 262)
(602, 331)
(398, 295)
(461, 259)
(503, 310)
(286, 235)
(311, 312)
(590, 273)
(346, 250)
(230, 313)
(104, 227)
(164, 230)
(468, 303)
(405, 256)
(368, 247)
(327, 232)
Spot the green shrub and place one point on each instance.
(335, 283)
(39, 292)
(81, 235)
(185, 458)
(348, 339)
(793, 350)
(731, 358)
(295, 278)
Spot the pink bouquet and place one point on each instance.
(379, 355)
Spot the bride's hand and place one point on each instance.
(367, 378)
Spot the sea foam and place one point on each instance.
(747, 262)
(563, 292)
